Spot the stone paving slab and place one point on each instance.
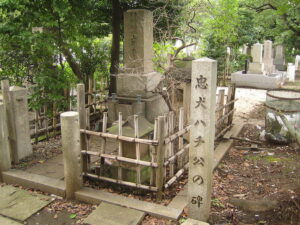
(109, 214)
(7, 221)
(20, 204)
(53, 168)
(194, 222)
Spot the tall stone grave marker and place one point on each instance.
(291, 72)
(19, 109)
(138, 80)
(257, 66)
(203, 101)
(297, 60)
(279, 60)
(268, 58)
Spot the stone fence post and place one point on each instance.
(202, 135)
(5, 161)
(70, 133)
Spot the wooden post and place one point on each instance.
(36, 126)
(120, 150)
(70, 133)
(104, 127)
(171, 144)
(203, 101)
(137, 149)
(220, 103)
(153, 153)
(230, 97)
(82, 122)
(160, 156)
(5, 160)
(181, 159)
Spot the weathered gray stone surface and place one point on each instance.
(109, 214)
(138, 40)
(5, 161)
(256, 52)
(190, 221)
(31, 180)
(20, 204)
(279, 60)
(203, 103)
(268, 57)
(70, 137)
(7, 221)
(291, 72)
(133, 84)
(53, 168)
(19, 109)
(96, 196)
(156, 108)
(256, 68)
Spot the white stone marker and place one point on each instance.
(256, 67)
(291, 72)
(297, 59)
(5, 161)
(19, 109)
(268, 58)
(203, 103)
(279, 60)
(70, 137)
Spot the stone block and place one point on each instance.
(155, 108)
(138, 40)
(257, 80)
(132, 85)
(257, 68)
(125, 109)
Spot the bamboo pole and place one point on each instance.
(137, 148)
(36, 126)
(220, 120)
(223, 132)
(120, 150)
(171, 144)
(180, 140)
(118, 137)
(120, 158)
(177, 175)
(220, 103)
(160, 157)
(104, 127)
(177, 155)
(126, 183)
(153, 153)
(178, 134)
(227, 104)
(46, 122)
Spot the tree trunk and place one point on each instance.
(115, 47)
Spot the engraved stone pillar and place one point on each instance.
(70, 134)
(138, 40)
(19, 110)
(203, 103)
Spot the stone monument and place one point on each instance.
(137, 81)
(268, 57)
(257, 65)
(279, 60)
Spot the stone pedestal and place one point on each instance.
(257, 68)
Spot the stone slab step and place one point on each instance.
(97, 196)
(7, 221)
(109, 214)
(39, 182)
(19, 204)
(194, 222)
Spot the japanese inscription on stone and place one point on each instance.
(203, 100)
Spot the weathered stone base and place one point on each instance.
(258, 80)
(151, 108)
(132, 85)
(256, 68)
